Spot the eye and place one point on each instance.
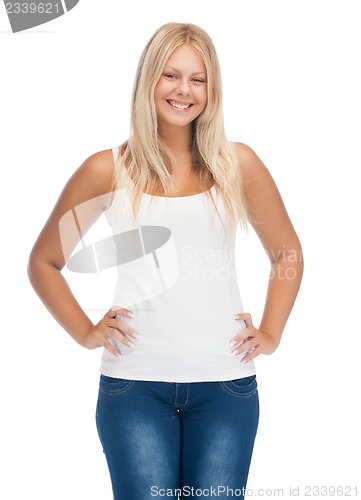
(198, 80)
(169, 75)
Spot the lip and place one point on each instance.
(179, 102)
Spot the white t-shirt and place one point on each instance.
(177, 274)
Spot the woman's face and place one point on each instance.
(181, 92)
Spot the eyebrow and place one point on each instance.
(195, 73)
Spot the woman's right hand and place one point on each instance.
(110, 327)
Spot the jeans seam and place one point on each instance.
(178, 405)
(237, 394)
(116, 392)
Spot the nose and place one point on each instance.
(183, 87)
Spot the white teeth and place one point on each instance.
(179, 106)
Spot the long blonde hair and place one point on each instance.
(146, 157)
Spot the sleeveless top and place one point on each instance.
(177, 274)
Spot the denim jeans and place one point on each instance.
(164, 440)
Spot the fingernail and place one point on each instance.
(244, 361)
(233, 343)
(236, 316)
(118, 355)
(131, 314)
(130, 344)
(136, 335)
(235, 352)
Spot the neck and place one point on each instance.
(178, 140)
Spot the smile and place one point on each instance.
(178, 105)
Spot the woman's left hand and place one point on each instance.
(255, 340)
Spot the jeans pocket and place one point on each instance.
(241, 387)
(114, 386)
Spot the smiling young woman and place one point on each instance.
(181, 92)
(178, 405)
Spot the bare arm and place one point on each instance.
(269, 218)
(91, 183)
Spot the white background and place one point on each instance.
(291, 92)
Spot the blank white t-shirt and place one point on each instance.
(177, 274)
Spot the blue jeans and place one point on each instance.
(164, 439)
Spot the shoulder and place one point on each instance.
(243, 150)
(91, 180)
(249, 162)
(98, 170)
(254, 172)
(263, 199)
(94, 177)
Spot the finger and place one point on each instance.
(121, 311)
(120, 337)
(249, 344)
(111, 348)
(241, 336)
(246, 317)
(256, 352)
(120, 325)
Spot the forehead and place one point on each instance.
(185, 57)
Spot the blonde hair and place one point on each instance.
(144, 154)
